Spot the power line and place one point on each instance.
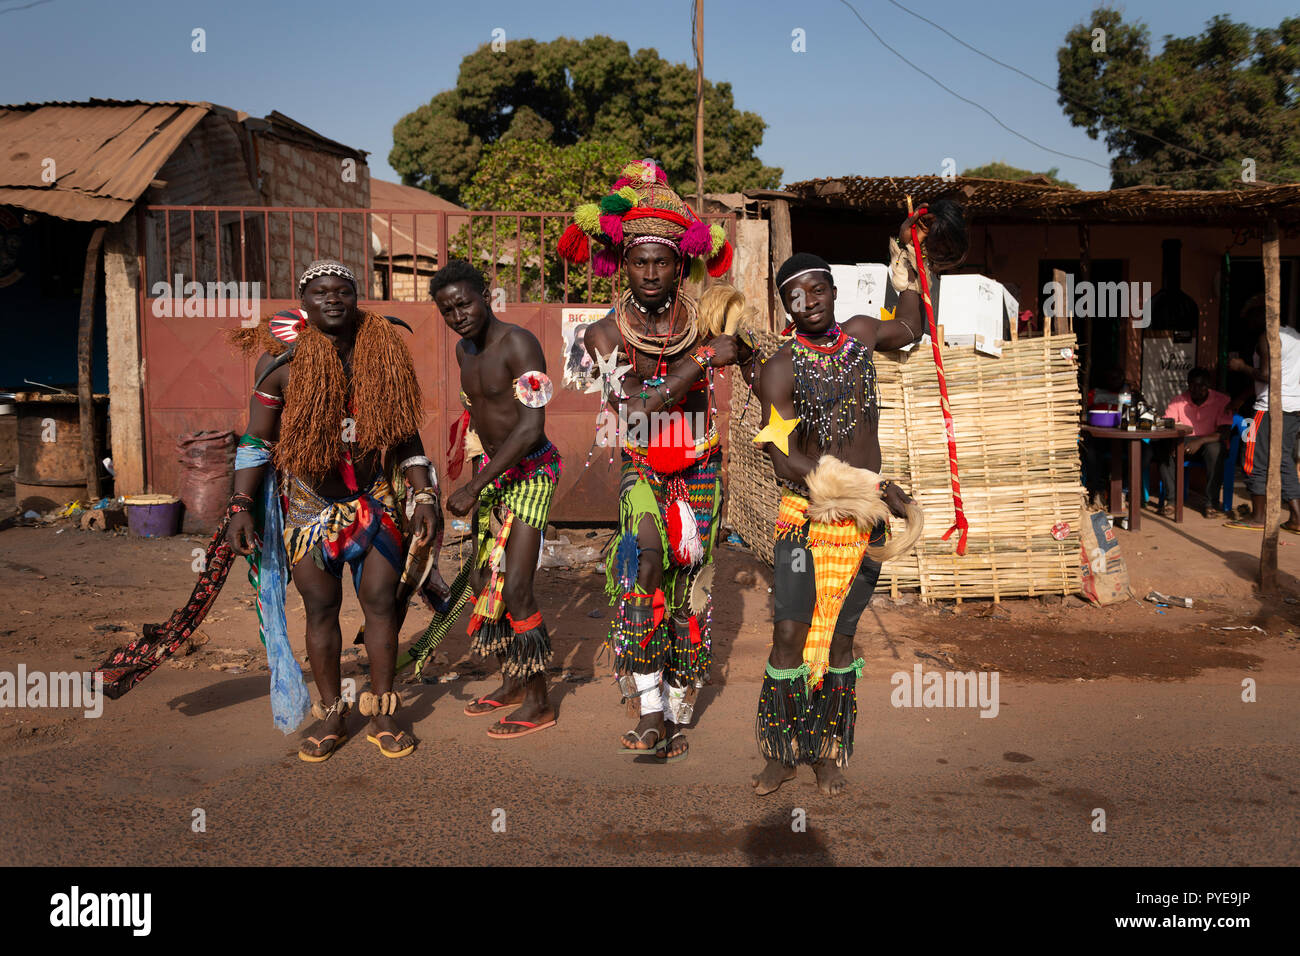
(1057, 91)
(26, 7)
(984, 109)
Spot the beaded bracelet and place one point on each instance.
(234, 509)
(240, 496)
(425, 496)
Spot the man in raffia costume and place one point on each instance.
(333, 470)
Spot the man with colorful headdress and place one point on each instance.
(656, 360)
(505, 390)
(332, 471)
(820, 417)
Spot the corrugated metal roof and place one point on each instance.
(396, 197)
(105, 153)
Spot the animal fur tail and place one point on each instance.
(723, 311)
(837, 492)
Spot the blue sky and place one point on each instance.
(846, 106)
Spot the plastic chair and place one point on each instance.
(1229, 465)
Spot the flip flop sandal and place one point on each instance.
(496, 705)
(668, 745)
(532, 728)
(1288, 530)
(339, 741)
(1243, 526)
(659, 741)
(375, 739)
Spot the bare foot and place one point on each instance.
(771, 777)
(649, 733)
(830, 779)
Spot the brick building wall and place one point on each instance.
(296, 175)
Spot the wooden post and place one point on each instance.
(699, 105)
(782, 249)
(85, 391)
(1273, 486)
(1060, 321)
(1085, 275)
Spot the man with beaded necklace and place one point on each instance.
(821, 386)
(656, 365)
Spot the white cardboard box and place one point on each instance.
(972, 309)
(860, 288)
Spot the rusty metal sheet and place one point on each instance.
(105, 155)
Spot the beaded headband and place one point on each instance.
(804, 273)
(662, 240)
(325, 267)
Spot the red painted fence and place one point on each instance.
(193, 380)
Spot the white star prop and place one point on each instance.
(611, 377)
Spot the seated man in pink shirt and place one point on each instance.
(1204, 414)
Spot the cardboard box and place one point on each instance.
(972, 310)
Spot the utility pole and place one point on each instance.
(699, 105)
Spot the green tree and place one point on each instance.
(526, 175)
(1229, 93)
(1000, 170)
(568, 91)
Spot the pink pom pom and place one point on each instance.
(697, 241)
(620, 183)
(612, 226)
(604, 262)
(661, 175)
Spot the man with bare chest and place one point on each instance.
(335, 416)
(821, 430)
(505, 388)
(656, 366)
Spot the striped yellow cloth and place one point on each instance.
(837, 551)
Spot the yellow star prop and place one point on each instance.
(777, 431)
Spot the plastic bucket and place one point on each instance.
(1103, 418)
(152, 516)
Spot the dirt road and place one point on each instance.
(1135, 711)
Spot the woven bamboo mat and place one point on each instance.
(1016, 422)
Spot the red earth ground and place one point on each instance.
(1132, 709)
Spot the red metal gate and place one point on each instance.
(193, 380)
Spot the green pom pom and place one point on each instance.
(719, 236)
(628, 193)
(587, 216)
(698, 270)
(615, 204)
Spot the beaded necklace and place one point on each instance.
(834, 388)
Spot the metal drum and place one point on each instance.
(50, 468)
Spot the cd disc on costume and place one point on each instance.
(533, 389)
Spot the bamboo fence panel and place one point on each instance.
(1016, 423)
